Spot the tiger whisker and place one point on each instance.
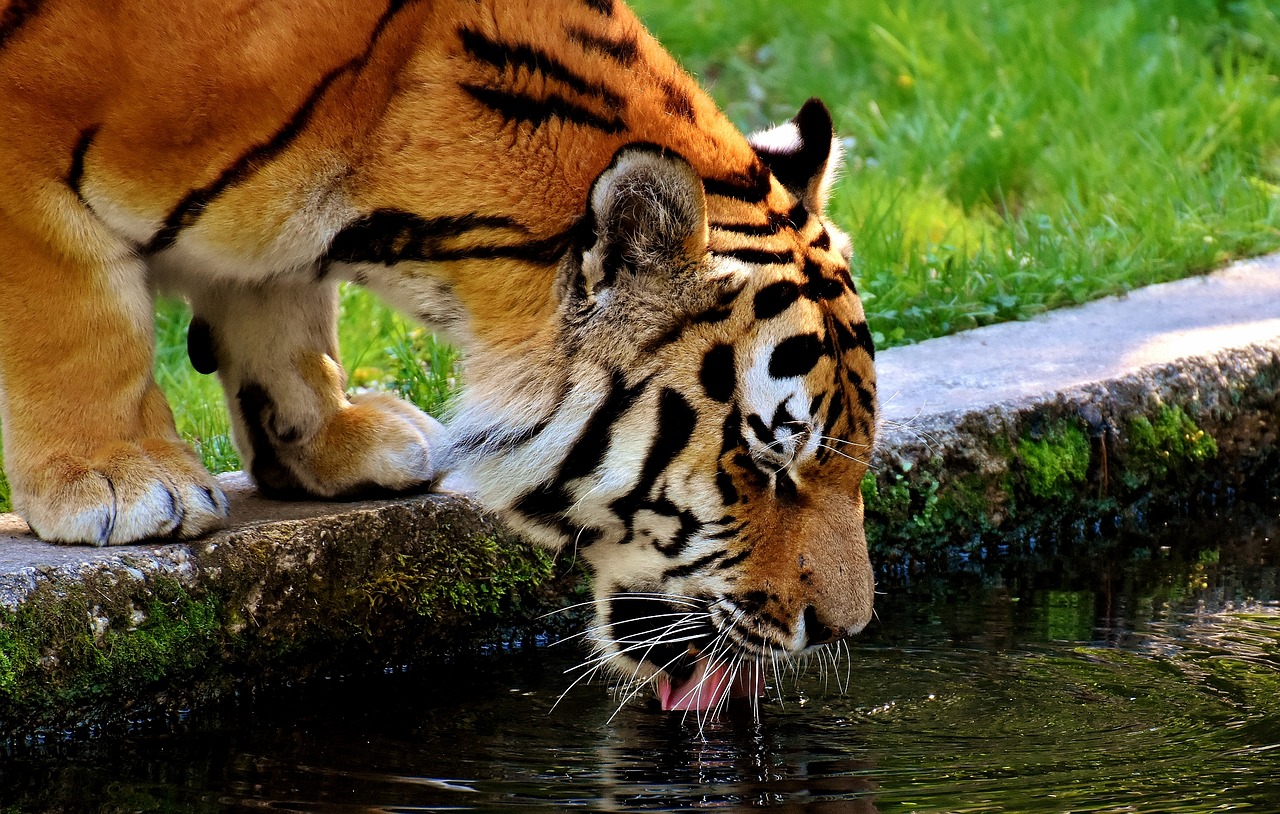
(637, 645)
(602, 626)
(844, 441)
(674, 599)
(639, 686)
(835, 451)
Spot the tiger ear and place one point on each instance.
(803, 154)
(649, 217)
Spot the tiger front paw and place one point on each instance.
(375, 444)
(124, 492)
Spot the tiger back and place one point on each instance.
(669, 370)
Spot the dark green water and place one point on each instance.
(1126, 678)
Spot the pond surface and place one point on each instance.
(1127, 678)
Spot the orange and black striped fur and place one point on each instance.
(669, 369)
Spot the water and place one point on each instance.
(1128, 678)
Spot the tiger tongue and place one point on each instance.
(707, 687)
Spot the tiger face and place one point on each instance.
(712, 426)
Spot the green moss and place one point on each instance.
(1168, 443)
(69, 647)
(1055, 462)
(482, 579)
(928, 508)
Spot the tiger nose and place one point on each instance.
(818, 632)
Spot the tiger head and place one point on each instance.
(703, 442)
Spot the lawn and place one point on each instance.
(1004, 158)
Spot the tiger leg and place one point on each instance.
(275, 347)
(90, 447)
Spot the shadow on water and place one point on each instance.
(1140, 675)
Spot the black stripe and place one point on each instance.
(712, 315)
(762, 431)
(544, 250)
(675, 421)
(866, 399)
(749, 465)
(391, 236)
(689, 526)
(693, 567)
(75, 174)
(192, 206)
(665, 338)
(724, 484)
(759, 257)
(624, 51)
(718, 374)
(495, 440)
(816, 404)
(547, 502)
(506, 55)
(678, 102)
(588, 451)
(864, 339)
(850, 336)
(518, 107)
(818, 287)
(782, 416)
(775, 298)
(727, 532)
(751, 229)
(749, 189)
(388, 236)
(604, 7)
(835, 408)
(734, 560)
(15, 15)
(798, 216)
(822, 241)
(796, 356)
(731, 437)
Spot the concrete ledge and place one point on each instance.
(289, 590)
(1079, 419)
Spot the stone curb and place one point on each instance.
(93, 636)
(1079, 419)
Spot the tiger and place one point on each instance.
(669, 371)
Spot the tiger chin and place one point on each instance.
(669, 373)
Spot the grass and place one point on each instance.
(1004, 158)
(1012, 156)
